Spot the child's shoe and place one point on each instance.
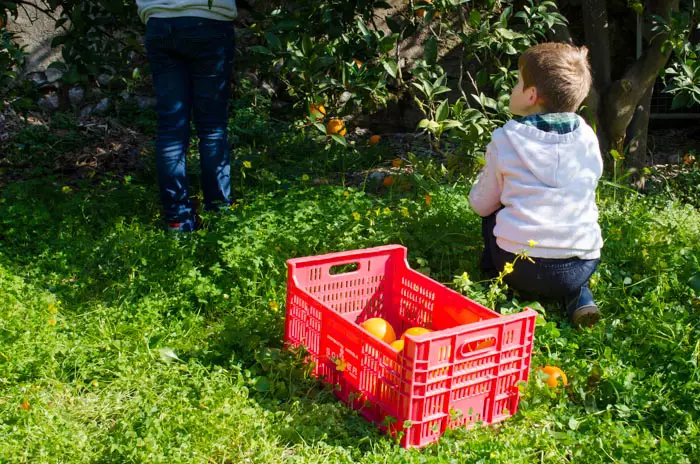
(581, 308)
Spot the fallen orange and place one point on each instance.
(380, 329)
(375, 139)
(554, 374)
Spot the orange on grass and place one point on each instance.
(388, 181)
(397, 345)
(336, 126)
(554, 374)
(415, 331)
(317, 111)
(380, 329)
(375, 139)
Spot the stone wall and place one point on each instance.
(35, 30)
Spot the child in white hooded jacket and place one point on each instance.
(537, 189)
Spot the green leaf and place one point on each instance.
(339, 139)
(273, 40)
(475, 18)
(261, 50)
(262, 384)
(443, 111)
(388, 43)
(391, 68)
(507, 33)
(285, 25)
(306, 45)
(167, 355)
(431, 51)
(573, 423)
(694, 282)
(364, 30)
(680, 100)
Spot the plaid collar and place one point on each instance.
(558, 123)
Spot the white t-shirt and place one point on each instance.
(223, 10)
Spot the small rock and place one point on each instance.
(254, 81)
(268, 88)
(76, 95)
(103, 105)
(377, 176)
(104, 79)
(279, 105)
(49, 102)
(362, 131)
(674, 159)
(144, 102)
(38, 78)
(345, 97)
(86, 112)
(53, 75)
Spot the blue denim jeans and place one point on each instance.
(191, 62)
(548, 278)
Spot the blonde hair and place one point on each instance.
(560, 73)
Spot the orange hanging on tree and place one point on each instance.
(317, 111)
(336, 126)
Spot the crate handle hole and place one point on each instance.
(477, 345)
(344, 268)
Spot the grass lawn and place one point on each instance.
(119, 343)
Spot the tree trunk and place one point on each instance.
(637, 132)
(596, 29)
(620, 100)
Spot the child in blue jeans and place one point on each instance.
(190, 45)
(537, 189)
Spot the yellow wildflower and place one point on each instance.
(532, 243)
(507, 268)
(404, 211)
(356, 215)
(247, 164)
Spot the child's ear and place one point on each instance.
(533, 97)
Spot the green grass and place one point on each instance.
(121, 344)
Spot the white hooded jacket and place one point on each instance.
(546, 183)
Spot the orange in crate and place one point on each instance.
(455, 376)
(380, 329)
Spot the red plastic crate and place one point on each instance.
(447, 378)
